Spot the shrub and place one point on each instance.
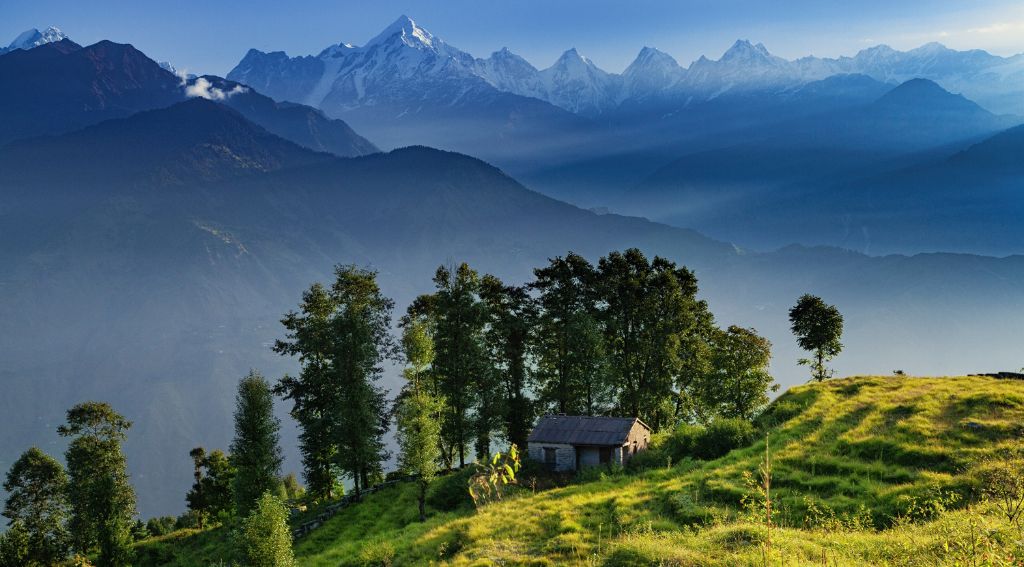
(1003, 482)
(161, 526)
(722, 436)
(379, 553)
(266, 539)
(449, 493)
(656, 456)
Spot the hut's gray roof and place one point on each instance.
(583, 430)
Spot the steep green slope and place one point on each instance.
(876, 470)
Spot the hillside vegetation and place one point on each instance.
(877, 470)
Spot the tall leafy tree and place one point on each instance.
(818, 327)
(572, 372)
(362, 341)
(313, 392)
(101, 497)
(460, 368)
(418, 411)
(210, 495)
(36, 488)
(255, 452)
(342, 337)
(650, 310)
(737, 381)
(512, 314)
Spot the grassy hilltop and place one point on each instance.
(866, 470)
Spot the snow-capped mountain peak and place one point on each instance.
(743, 50)
(405, 30)
(651, 74)
(34, 38)
(651, 60)
(577, 84)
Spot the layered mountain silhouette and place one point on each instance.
(794, 180)
(60, 86)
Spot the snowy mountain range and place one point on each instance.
(34, 38)
(343, 75)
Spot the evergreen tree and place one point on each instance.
(313, 392)
(460, 357)
(418, 411)
(650, 311)
(102, 499)
(818, 327)
(254, 451)
(512, 313)
(342, 337)
(572, 373)
(266, 539)
(36, 488)
(210, 495)
(361, 342)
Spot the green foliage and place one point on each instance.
(1002, 480)
(650, 311)
(210, 495)
(265, 538)
(572, 369)
(735, 382)
(448, 493)
(313, 392)
(36, 488)
(721, 436)
(818, 327)
(378, 553)
(418, 413)
(255, 453)
(512, 314)
(161, 526)
(15, 546)
(460, 368)
(293, 490)
(489, 482)
(342, 337)
(102, 499)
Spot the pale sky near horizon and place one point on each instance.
(210, 36)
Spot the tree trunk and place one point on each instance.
(423, 500)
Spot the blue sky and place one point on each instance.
(207, 36)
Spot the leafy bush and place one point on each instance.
(656, 456)
(379, 553)
(722, 436)
(161, 526)
(266, 539)
(449, 492)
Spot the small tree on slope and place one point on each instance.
(266, 539)
(818, 327)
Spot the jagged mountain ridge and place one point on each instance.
(576, 84)
(34, 38)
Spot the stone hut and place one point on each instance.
(571, 442)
